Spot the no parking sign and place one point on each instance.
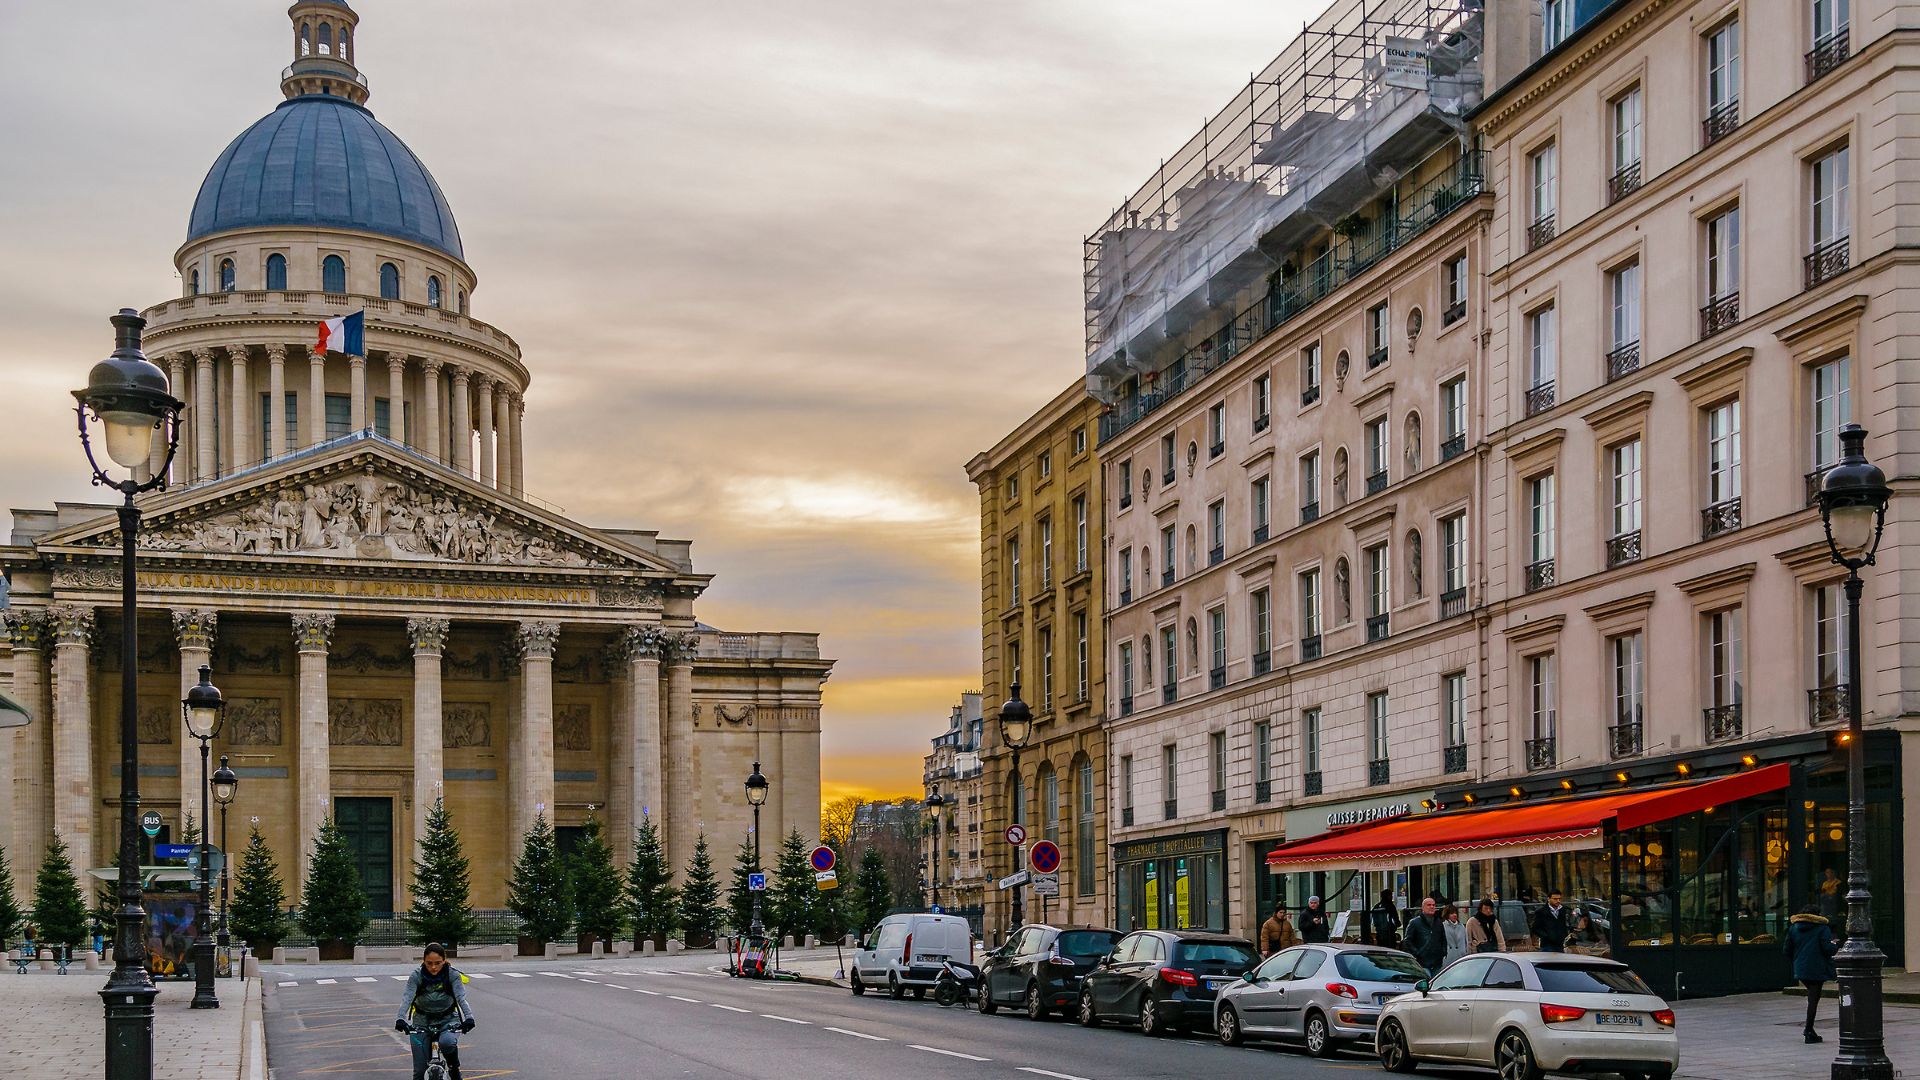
(1044, 857)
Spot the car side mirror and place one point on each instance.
(1422, 987)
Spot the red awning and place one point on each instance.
(1517, 829)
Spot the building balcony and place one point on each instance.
(1263, 791)
(1126, 500)
(1216, 554)
(1376, 357)
(1377, 482)
(1310, 647)
(1310, 784)
(1260, 422)
(1626, 739)
(1721, 517)
(1827, 261)
(1310, 395)
(1540, 753)
(1539, 398)
(1166, 477)
(1126, 597)
(1126, 815)
(1166, 577)
(1377, 627)
(1218, 801)
(1261, 534)
(1623, 549)
(313, 306)
(1454, 759)
(1126, 704)
(1724, 722)
(1216, 678)
(1624, 360)
(1169, 693)
(1453, 446)
(1720, 122)
(1719, 314)
(1540, 232)
(1310, 513)
(1216, 449)
(1170, 809)
(1454, 313)
(1827, 705)
(1379, 771)
(1624, 182)
(1829, 53)
(1262, 662)
(1540, 575)
(1453, 602)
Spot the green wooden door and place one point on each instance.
(367, 825)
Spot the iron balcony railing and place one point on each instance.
(1377, 627)
(1170, 809)
(1623, 360)
(1126, 499)
(1828, 53)
(1377, 482)
(1166, 477)
(1540, 575)
(1310, 512)
(1813, 484)
(1376, 357)
(1624, 182)
(1626, 738)
(1829, 260)
(1260, 422)
(1216, 678)
(1126, 704)
(1294, 293)
(1310, 647)
(1540, 232)
(1719, 314)
(1126, 597)
(1216, 554)
(1216, 449)
(1261, 533)
(1624, 548)
(1454, 313)
(1310, 395)
(1540, 753)
(1379, 771)
(1539, 398)
(1166, 577)
(1454, 759)
(1262, 662)
(1453, 446)
(1721, 517)
(1453, 602)
(1310, 783)
(1827, 704)
(1721, 122)
(1262, 791)
(1724, 722)
(1126, 815)
(1219, 801)
(1169, 693)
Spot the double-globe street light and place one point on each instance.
(1016, 727)
(934, 802)
(756, 797)
(225, 783)
(1853, 510)
(128, 396)
(204, 708)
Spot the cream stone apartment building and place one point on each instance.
(952, 771)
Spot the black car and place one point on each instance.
(1041, 968)
(1164, 980)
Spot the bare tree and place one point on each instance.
(836, 822)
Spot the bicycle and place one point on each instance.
(436, 1065)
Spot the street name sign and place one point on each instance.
(175, 851)
(1014, 880)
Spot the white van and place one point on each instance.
(905, 952)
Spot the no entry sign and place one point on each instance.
(1016, 834)
(822, 859)
(1044, 857)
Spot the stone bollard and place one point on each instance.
(646, 948)
(92, 960)
(279, 956)
(812, 942)
(553, 951)
(674, 945)
(787, 942)
(250, 967)
(599, 949)
(359, 954)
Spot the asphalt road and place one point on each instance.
(582, 1020)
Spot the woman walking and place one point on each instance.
(1483, 930)
(1456, 934)
(1811, 944)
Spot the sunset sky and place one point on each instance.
(778, 268)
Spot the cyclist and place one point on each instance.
(435, 1007)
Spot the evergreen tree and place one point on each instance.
(189, 832)
(58, 910)
(259, 900)
(595, 884)
(872, 893)
(790, 911)
(700, 895)
(537, 891)
(11, 917)
(739, 897)
(442, 908)
(649, 898)
(333, 903)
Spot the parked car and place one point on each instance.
(1042, 967)
(1323, 995)
(905, 952)
(1527, 1014)
(1164, 980)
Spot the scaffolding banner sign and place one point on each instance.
(1405, 60)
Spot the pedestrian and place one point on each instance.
(1386, 921)
(1587, 938)
(1550, 925)
(1811, 944)
(1829, 894)
(1313, 923)
(1427, 937)
(1456, 933)
(1483, 930)
(1277, 932)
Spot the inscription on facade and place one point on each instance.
(363, 722)
(297, 585)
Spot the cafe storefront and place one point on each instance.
(1172, 882)
(1345, 893)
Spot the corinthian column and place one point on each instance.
(429, 434)
(203, 457)
(277, 445)
(32, 747)
(193, 632)
(678, 742)
(519, 446)
(177, 386)
(462, 424)
(316, 398)
(360, 415)
(242, 418)
(533, 764)
(314, 783)
(397, 398)
(485, 386)
(73, 729)
(503, 436)
(429, 637)
(643, 750)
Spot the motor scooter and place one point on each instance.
(959, 983)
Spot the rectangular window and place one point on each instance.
(1046, 670)
(1378, 453)
(1216, 532)
(1829, 18)
(1262, 623)
(1540, 695)
(1310, 739)
(1544, 173)
(1079, 441)
(1169, 659)
(1540, 518)
(1080, 658)
(1723, 254)
(1623, 303)
(1723, 452)
(1310, 603)
(1126, 484)
(1014, 668)
(1046, 554)
(339, 415)
(1830, 219)
(1262, 401)
(1624, 114)
(1453, 703)
(1046, 464)
(1084, 878)
(1625, 467)
(1543, 359)
(1126, 673)
(1453, 409)
(1829, 636)
(1453, 553)
(1262, 755)
(1377, 726)
(1453, 277)
(1724, 658)
(1217, 430)
(1169, 779)
(1261, 509)
(1013, 569)
(292, 420)
(1126, 785)
(1379, 333)
(1013, 487)
(1079, 533)
(1217, 770)
(1310, 374)
(1166, 458)
(1832, 410)
(1309, 484)
(383, 417)
(1723, 68)
(1126, 574)
(1166, 555)
(1217, 639)
(1556, 22)
(1379, 577)
(1629, 678)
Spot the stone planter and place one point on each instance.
(335, 949)
(532, 947)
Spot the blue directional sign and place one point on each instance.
(757, 882)
(174, 851)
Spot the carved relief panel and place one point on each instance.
(573, 726)
(467, 723)
(253, 721)
(363, 722)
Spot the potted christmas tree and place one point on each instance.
(58, 909)
(442, 908)
(259, 900)
(595, 885)
(700, 898)
(650, 898)
(537, 891)
(333, 905)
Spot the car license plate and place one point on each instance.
(1383, 997)
(1612, 1019)
(1215, 984)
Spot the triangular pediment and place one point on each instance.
(365, 500)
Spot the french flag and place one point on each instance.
(346, 334)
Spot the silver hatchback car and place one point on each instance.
(1322, 995)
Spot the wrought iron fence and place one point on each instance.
(1310, 647)
(1626, 739)
(1721, 122)
(1724, 722)
(1453, 602)
(1310, 512)
(1376, 627)
(1829, 53)
(1719, 314)
(1455, 759)
(1377, 482)
(1310, 783)
(1721, 517)
(1540, 753)
(1623, 360)
(1379, 771)
(1540, 232)
(1453, 446)
(1624, 182)
(1828, 704)
(1540, 575)
(1624, 548)
(1829, 260)
(1539, 398)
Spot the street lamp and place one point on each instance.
(934, 803)
(225, 782)
(756, 797)
(1016, 727)
(127, 395)
(1853, 511)
(203, 709)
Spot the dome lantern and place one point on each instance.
(325, 49)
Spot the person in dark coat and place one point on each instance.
(1811, 944)
(1427, 937)
(1551, 925)
(1313, 922)
(1386, 921)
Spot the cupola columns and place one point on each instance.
(324, 52)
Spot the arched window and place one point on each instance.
(226, 275)
(1049, 804)
(333, 274)
(276, 271)
(326, 39)
(462, 293)
(306, 39)
(389, 281)
(193, 282)
(344, 35)
(433, 289)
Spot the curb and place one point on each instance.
(253, 1033)
(820, 980)
(1890, 997)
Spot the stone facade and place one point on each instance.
(953, 771)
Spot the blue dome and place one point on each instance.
(324, 162)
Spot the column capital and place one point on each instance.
(72, 624)
(177, 361)
(482, 381)
(396, 361)
(356, 361)
(276, 352)
(633, 643)
(27, 628)
(237, 353)
(428, 634)
(534, 639)
(312, 633)
(460, 375)
(430, 364)
(204, 356)
(680, 646)
(194, 628)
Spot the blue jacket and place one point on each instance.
(1811, 944)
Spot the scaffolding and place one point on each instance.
(1364, 95)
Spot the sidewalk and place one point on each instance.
(1757, 1037)
(55, 1027)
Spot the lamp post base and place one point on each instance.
(203, 995)
(129, 1030)
(1863, 1054)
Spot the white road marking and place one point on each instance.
(1050, 1072)
(557, 975)
(586, 973)
(290, 984)
(649, 993)
(592, 982)
(690, 1001)
(729, 1008)
(788, 1019)
(948, 1053)
(365, 978)
(516, 975)
(470, 975)
(325, 982)
(858, 1034)
(399, 978)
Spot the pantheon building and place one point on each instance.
(349, 544)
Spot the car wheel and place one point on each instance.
(1036, 1005)
(894, 989)
(1394, 1056)
(1513, 1057)
(1319, 1038)
(1088, 1018)
(859, 988)
(987, 1005)
(1230, 1033)
(1149, 1020)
